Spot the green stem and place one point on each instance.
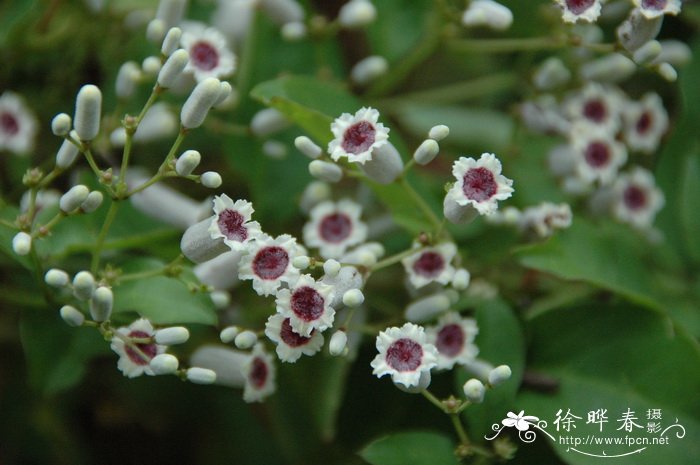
(432, 399)
(157, 90)
(9, 224)
(44, 229)
(91, 160)
(162, 169)
(459, 429)
(394, 259)
(111, 214)
(420, 203)
(507, 45)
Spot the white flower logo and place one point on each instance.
(520, 421)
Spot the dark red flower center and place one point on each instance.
(404, 355)
(231, 225)
(597, 154)
(8, 123)
(270, 262)
(335, 228)
(450, 340)
(307, 303)
(204, 56)
(479, 184)
(258, 372)
(147, 350)
(429, 264)
(579, 6)
(291, 338)
(644, 123)
(595, 110)
(359, 137)
(654, 4)
(635, 197)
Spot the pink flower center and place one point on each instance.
(230, 224)
(149, 350)
(204, 56)
(430, 264)
(404, 355)
(450, 340)
(644, 123)
(335, 228)
(291, 338)
(595, 110)
(635, 197)
(597, 154)
(8, 123)
(577, 7)
(479, 184)
(307, 303)
(359, 137)
(258, 372)
(654, 4)
(270, 262)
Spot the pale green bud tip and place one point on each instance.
(325, 171)
(338, 343)
(474, 391)
(60, 124)
(66, 154)
(460, 280)
(173, 68)
(88, 109)
(200, 101)
(353, 298)
(164, 364)
(225, 91)
(172, 336)
(331, 268)
(221, 299)
(274, 149)
(426, 152)
(155, 31)
(151, 65)
(72, 316)
(428, 307)
(22, 243)
(647, 52)
(499, 374)
(83, 285)
(301, 262)
(293, 31)
(667, 72)
(127, 79)
(267, 122)
(72, 199)
(171, 41)
(246, 339)
(439, 132)
(92, 202)
(366, 258)
(101, 304)
(198, 375)
(357, 13)
(307, 147)
(369, 69)
(211, 179)
(56, 278)
(187, 162)
(228, 334)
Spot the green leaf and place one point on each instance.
(411, 448)
(689, 212)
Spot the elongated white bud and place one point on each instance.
(246, 339)
(155, 31)
(293, 31)
(610, 68)
(274, 149)
(198, 375)
(551, 74)
(101, 304)
(637, 30)
(127, 79)
(22, 243)
(439, 132)
(225, 91)
(56, 278)
(220, 273)
(197, 244)
(66, 154)
(283, 11)
(211, 179)
(385, 166)
(667, 72)
(267, 122)
(227, 363)
(220, 299)
(301, 262)
(428, 307)
(171, 41)
(426, 152)
(199, 102)
(353, 298)
(228, 334)
(499, 374)
(172, 336)
(474, 391)
(60, 124)
(92, 202)
(164, 364)
(72, 199)
(83, 285)
(151, 66)
(674, 52)
(325, 171)
(460, 280)
(456, 213)
(339, 341)
(187, 162)
(487, 13)
(308, 147)
(172, 68)
(357, 13)
(314, 193)
(170, 12)
(88, 111)
(647, 52)
(369, 69)
(331, 268)
(72, 316)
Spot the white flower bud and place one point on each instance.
(674, 52)
(197, 244)
(170, 12)
(369, 69)
(667, 72)
(88, 108)
(331, 268)
(66, 154)
(164, 364)
(155, 31)
(357, 13)
(366, 258)
(274, 149)
(610, 68)
(283, 11)
(245, 339)
(92, 202)
(198, 375)
(225, 91)
(127, 79)
(339, 341)
(385, 166)
(60, 124)
(293, 31)
(187, 162)
(487, 13)
(228, 334)
(83, 285)
(151, 65)
(22, 243)
(325, 171)
(301, 262)
(460, 280)
(348, 278)
(267, 122)
(456, 213)
(172, 68)
(637, 30)
(171, 41)
(72, 316)
(423, 383)
(474, 391)
(72, 199)
(428, 307)
(479, 368)
(220, 299)
(56, 278)
(314, 193)
(308, 147)
(426, 152)
(353, 298)
(439, 132)
(199, 102)
(647, 53)
(101, 303)
(211, 179)
(172, 336)
(551, 74)
(499, 374)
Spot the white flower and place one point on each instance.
(520, 421)
(543, 219)
(585, 10)
(259, 373)
(356, 136)
(290, 345)
(232, 222)
(335, 226)
(134, 359)
(453, 336)
(269, 262)
(404, 354)
(431, 264)
(480, 183)
(636, 198)
(655, 8)
(208, 52)
(598, 156)
(544, 115)
(597, 105)
(645, 122)
(18, 125)
(307, 304)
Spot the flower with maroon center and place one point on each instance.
(269, 262)
(18, 126)
(575, 10)
(480, 183)
(135, 347)
(405, 354)
(598, 105)
(334, 227)
(209, 55)
(636, 198)
(357, 136)
(290, 345)
(453, 336)
(232, 222)
(541, 220)
(655, 8)
(259, 374)
(598, 155)
(430, 264)
(307, 305)
(646, 122)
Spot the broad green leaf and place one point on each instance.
(392, 39)
(689, 211)
(411, 448)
